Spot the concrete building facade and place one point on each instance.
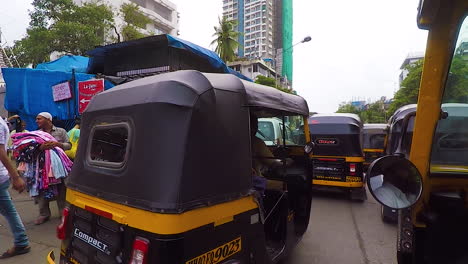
(266, 30)
(411, 58)
(163, 13)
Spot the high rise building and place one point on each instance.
(266, 30)
(163, 13)
(410, 59)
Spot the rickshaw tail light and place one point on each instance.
(352, 167)
(140, 251)
(61, 229)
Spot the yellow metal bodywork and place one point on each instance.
(443, 19)
(347, 159)
(165, 224)
(51, 258)
(338, 183)
(373, 150)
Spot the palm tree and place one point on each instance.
(226, 39)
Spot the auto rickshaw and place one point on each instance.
(163, 174)
(337, 158)
(393, 146)
(374, 137)
(433, 183)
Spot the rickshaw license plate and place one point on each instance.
(218, 254)
(353, 179)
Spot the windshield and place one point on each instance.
(270, 130)
(373, 140)
(450, 142)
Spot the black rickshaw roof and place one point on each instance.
(195, 84)
(188, 141)
(336, 118)
(401, 112)
(374, 128)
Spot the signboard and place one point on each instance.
(61, 91)
(87, 90)
(326, 141)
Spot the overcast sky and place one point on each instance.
(356, 50)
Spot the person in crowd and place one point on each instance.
(9, 174)
(74, 136)
(44, 123)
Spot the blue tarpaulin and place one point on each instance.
(29, 92)
(211, 56)
(66, 64)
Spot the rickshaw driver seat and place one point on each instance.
(263, 157)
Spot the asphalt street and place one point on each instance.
(340, 231)
(345, 231)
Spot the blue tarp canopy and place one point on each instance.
(211, 56)
(29, 92)
(66, 64)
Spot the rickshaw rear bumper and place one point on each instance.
(340, 184)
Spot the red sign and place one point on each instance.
(326, 141)
(87, 90)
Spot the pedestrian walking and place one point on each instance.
(7, 208)
(44, 123)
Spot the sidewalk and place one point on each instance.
(42, 238)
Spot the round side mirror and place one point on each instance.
(394, 182)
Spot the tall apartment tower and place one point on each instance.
(266, 30)
(163, 13)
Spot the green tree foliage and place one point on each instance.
(134, 20)
(456, 90)
(272, 83)
(62, 26)
(409, 90)
(348, 108)
(226, 39)
(373, 113)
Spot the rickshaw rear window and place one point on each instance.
(374, 141)
(109, 145)
(450, 141)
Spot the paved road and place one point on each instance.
(42, 238)
(340, 231)
(343, 231)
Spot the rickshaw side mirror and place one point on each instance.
(394, 182)
(309, 147)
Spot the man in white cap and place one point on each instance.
(44, 123)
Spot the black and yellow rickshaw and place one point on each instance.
(163, 174)
(396, 145)
(430, 188)
(395, 128)
(337, 158)
(374, 137)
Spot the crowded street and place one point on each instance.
(340, 231)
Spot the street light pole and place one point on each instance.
(306, 39)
